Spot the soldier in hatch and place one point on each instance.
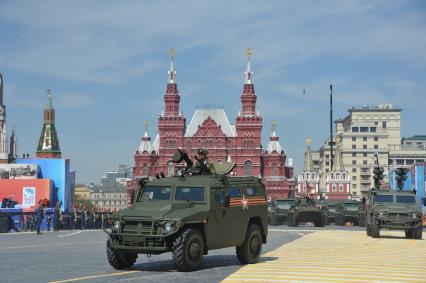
(204, 165)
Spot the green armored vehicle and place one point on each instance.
(331, 207)
(347, 212)
(395, 210)
(306, 210)
(279, 211)
(189, 214)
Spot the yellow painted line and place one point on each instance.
(340, 256)
(95, 276)
(47, 245)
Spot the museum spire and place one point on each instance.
(248, 98)
(171, 98)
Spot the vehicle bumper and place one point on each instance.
(400, 224)
(139, 243)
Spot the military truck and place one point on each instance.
(347, 212)
(279, 210)
(306, 210)
(190, 214)
(394, 210)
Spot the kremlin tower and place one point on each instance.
(4, 156)
(308, 180)
(48, 145)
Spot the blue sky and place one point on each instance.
(107, 61)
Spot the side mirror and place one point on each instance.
(227, 200)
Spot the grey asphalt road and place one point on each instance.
(80, 256)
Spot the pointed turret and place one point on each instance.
(146, 145)
(338, 162)
(274, 144)
(13, 151)
(308, 165)
(48, 145)
(4, 156)
(248, 98)
(171, 98)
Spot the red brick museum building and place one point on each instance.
(210, 128)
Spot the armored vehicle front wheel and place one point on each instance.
(409, 234)
(375, 230)
(188, 250)
(251, 248)
(418, 233)
(119, 259)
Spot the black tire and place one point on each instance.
(188, 250)
(319, 223)
(274, 219)
(119, 259)
(250, 249)
(418, 233)
(409, 234)
(368, 229)
(375, 230)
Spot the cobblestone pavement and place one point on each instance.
(341, 256)
(79, 256)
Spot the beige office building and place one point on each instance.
(367, 131)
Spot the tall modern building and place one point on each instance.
(210, 128)
(48, 145)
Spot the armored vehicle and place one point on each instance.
(347, 212)
(279, 211)
(188, 215)
(396, 210)
(306, 210)
(331, 207)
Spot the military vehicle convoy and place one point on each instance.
(199, 209)
(279, 211)
(347, 211)
(331, 208)
(306, 210)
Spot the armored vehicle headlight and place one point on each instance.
(117, 225)
(168, 227)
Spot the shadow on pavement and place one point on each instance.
(209, 262)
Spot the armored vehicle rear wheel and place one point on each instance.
(418, 233)
(119, 259)
(409, 234)
(188, 249)
(251, 248)
(274, 219)
(375, 231)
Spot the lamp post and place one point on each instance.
(331, 126)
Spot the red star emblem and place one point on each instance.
(244, 202)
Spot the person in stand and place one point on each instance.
(39, 217)
(56, 217)
(48, 219)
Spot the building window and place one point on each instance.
(364, 146)
(376, 139)
(353, 162)
(145, 170)
(354, 178)
(364, 162)
(354, 146)
(365, 154)
(170, 168)
(274, 169)
(327, 156)
(248, 168)
(334, 187)
(364, 138)
(376, 146)
(340, 187)
(384, 125)
(363, 129)
(327, 163)
(353, 186)
(353, 170)
(353, 138)
(373, 129)
(355, 129)
(353, 154)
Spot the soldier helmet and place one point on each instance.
(203, 151)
